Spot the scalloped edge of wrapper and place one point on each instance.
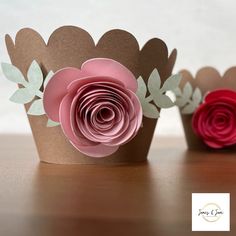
(206, 79)
(71, 46)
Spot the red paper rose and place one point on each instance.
(215, 119)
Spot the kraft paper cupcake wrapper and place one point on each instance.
(71, 46)
(206, 79)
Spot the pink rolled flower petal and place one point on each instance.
(215, 119)
(96, 105)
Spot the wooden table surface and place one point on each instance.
(152, 198)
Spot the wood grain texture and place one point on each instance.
(152, 198)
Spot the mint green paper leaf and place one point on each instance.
(22, 96)
(36, 108)
(154, 82)
(181, 101)
(171, 83)
(13, 74)
(183, 98)
(163, 101)
(197, 96)
(150, 111)
(52, 123)
(48, 77)
(142, 89)
(156, 94)
(188, 100)
(188, 109)
(35, 76)
(177, 91)
(187, 90)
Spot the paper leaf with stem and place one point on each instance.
(30, 88)
(149, 110)
(188, 99)
(157, 97)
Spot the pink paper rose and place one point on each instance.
(96, 106)
(215, 119)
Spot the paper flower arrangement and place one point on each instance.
(208, 110)
(96, 106)
(101, 105)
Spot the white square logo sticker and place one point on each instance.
(210, 212)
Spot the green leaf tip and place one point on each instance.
(51, 123)
(171, 83)
(36, 108)
(48, 77)
(13, 74)
(35, 76)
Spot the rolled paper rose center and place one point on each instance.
(220, 120)
(106, 114)
(103, 113)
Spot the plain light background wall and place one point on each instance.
(204, 32)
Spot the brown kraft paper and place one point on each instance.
(71, 46)
(206, 79)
